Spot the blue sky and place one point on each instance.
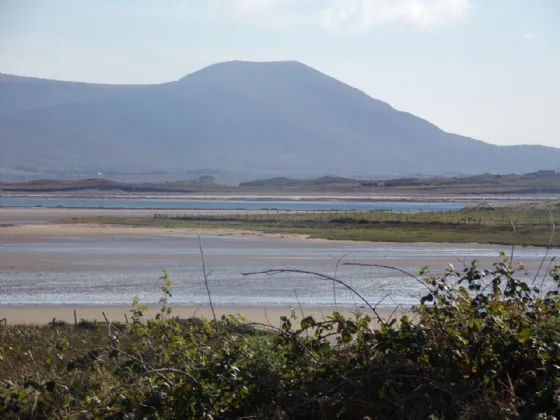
(489, 69)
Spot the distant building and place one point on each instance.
(206, 179)
(545, 173)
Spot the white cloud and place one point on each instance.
(529, 36)
(255, 9)
(271, 12)
(361, 15)
(331, 15)
(252, 7)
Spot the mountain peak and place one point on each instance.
(261, 63)
(276, 79)
(238, 67)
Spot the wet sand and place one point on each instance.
(265, 315)
(17, 230)
(29, 235)
(93, 230)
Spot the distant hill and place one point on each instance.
(203, 184)
(280, 182)
(533, 184)
(281, 118)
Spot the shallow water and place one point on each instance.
(111, 270)
(228, 204)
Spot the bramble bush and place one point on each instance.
(482, 344)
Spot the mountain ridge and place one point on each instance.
(281, 118)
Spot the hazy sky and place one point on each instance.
(489, 69)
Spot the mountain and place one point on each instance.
(281, 118)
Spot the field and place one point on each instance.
(533, 226)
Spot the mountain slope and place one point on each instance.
(281, 117)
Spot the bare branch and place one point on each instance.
(338, 261)
(545, 275)
(552, 232)
(322, 276)
(266, 317)
(299, 303)
(381, 300)
(394, 312)
(206, 281)
(390, 268)
(513, 228)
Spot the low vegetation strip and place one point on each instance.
(532, 227)
(481, 344)
(543, 182)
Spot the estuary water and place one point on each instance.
(179, 204)
(112, 269)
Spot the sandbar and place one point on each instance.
(89, 230)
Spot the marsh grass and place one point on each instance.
(476, 225)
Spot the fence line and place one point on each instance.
(354, 217)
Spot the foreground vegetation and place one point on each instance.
(533, 226)
(481, 344)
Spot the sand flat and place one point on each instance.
(107, 229)
(92, 230)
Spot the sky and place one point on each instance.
(488, 69)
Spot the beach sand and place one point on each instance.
(94, 230)
(90, 230)
(37, 222)
(266, 315)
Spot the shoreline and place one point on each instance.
(98, 230)
(311, 197)
(93, 230)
